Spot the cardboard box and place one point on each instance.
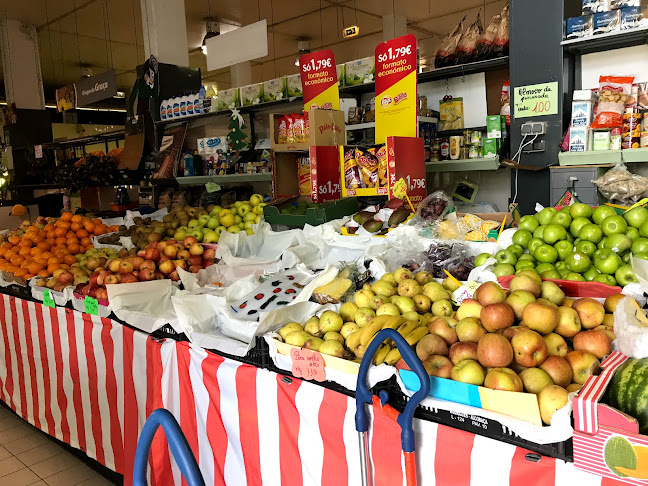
(494, 125)
(582, 114)
(606, 22)
(228, 99)
(491, 146)
(324, 174)
(579, 27)
(594, 6)
(579, 139)
(252, 94)
(293, 86)
(359, 71)
(326, 128)
(595, 424)
(274, 90)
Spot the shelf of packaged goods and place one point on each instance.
(224, 179)
(635, 156)
(606, 42)
(458, 132)
(371, 125)
(591, 157)
(490, 163)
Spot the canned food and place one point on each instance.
(615, 139)
(467, 137)
(474, 152)
(476, 138)
(455, 147)
(644, 139)
(445, 149)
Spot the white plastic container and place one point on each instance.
(176, 107)
(197, 104)
(190, 104)
(163, 110)
(183, 106)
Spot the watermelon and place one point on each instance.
(628, 391)
(619, 453)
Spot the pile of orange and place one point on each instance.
(40, 252)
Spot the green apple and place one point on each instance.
(618, 243)
(632, 233)
(546, 254)
(643, 256)
(234, 229)
(527, 256)
(551, 274)
(256, 199)
(640, 245)
(179, 235)
(643, 231)
(601, 244)
(534, 244)
(506, 256)
(481, 259)
(578, 262)
(562, 218)
(601, 213)
(210, 237)
(576, 225)
(606, 261)
(238, 203)
(614, 225)
(580, 210)
(203, 219)
(560, 265)
(586, 247)
(197, 233)
(517, 250)
(213, 222)
(591, 232)
(564, 248)
(563, 273)
(574, 277)
(543, 267)
(504, 269)
(636, 216)
(215, 210)
(524, 265)
(570, 238)
(238, 219)
(544, 216)
(249, 217)
(248, 224)
(522, 237)
(591, 274)
(528, 223)
(193, 223)
(626, 258)
(606, 279)
(539, 231)
(625, 275)
(243, 209)
(554, 233)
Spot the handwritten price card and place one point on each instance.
(307, 364)
(319, 81)
(395, 62)
(535, 100)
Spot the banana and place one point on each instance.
(354, 339)
(416, 335)
(370, 329)
(393, 357)
(407, 327)
(381, 354)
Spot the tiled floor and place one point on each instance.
(30, 457)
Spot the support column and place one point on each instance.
(165, 31)
(394, 26)
(241, 74)
(21, 65)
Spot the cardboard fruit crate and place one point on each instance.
(314, 216)
(326, 128)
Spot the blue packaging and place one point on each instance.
(605, 22)
(578, 27)
(632, 17)
(595, 6)
(614, 4)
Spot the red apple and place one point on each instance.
(503, 379)
(550, 399)
(595, 341)
(159, 275)
(171, 242)
(184, 254)
(194, 269)
(174, 276)
(152, 245)
(208, 263)
(440, 327)
(529, 348)
(148, 265)
(101, 279)
(163, 258)
(113, 266)
(166, 267)
(66, 277)
(136, 261)
(102, 294)
(496, 316)
(583, 365)
(558, 370)
(188, 241)
(509, 332)
(146, 275)
(129, 278)
(180, 264)
(195, 260)
(460, 351)
(209, 254)
(152, 254)
(171, 251)
(494, 351)
(114, 278)
(141, 253)
(431, 344)
(92, 292)
(93, 278)
(86, 289)
(438, 366)
(196, 249)
(126, 267)
(179, 247)
(161, 246)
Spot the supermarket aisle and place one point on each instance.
(30, 457)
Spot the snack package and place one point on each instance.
(614, 92)
(502, 37)
(299, 129)
(486, 44)
(445, 56)
(451, 114)
(381, 153)
(368, 164)
(282, 136)
(290, 129)
(352, 178)
(304, 174)
(467, 47)
(306, 128)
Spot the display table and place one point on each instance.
(91, 382)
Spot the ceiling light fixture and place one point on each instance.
(212, 31)
(303, 48)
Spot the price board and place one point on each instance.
(307, 364)
(319, 81)
(395, 63)
(535, 100)
(325, 174)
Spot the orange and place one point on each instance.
(28, 276)
(58, 232)
(70, 234)
(26, 243)
(74, 248)
(113, 227)
(10, 254)
(86, 242)
(89, 247)
(34, 268)
(76, 226)
(46, 255)
(90, 227)
(2, 251)
(25, 252)
(34, 251)
(43, 273)
(53, 260)
(17, 260)
(82, 233)
(64, 224)
(97, 221)
(67, 216)
(100, 229)
(52, 268)
(43, 245)
(14, 240)
(65, 266)
(26, 264)
(20, 272)
(11, 268)
(61, 241)
(41, 260)
(48, 227)
(77, 218)
(69, 260)
(33, 228)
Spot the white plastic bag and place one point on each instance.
(631, 329)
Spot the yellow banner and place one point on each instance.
(396, 110)
(329, 99)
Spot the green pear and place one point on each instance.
(288, 328)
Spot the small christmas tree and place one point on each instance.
(236, 136)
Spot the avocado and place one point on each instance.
(363, 216)
(373, 225)
(398, 216)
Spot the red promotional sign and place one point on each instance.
(406, 162)
(395, 63)
(325, 174)
(319, 80)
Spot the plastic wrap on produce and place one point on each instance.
(484, 273)
(144, 305)
(112, 221)
(631, 329)
(156, 216)
(216, 276)
(61, 298)
(335, 247)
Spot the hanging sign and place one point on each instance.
(395, 62)
(535, 100)
(87, 91)
(319, 81)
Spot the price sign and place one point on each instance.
(48, 300)
(91, 306)
(319, 81)
(212, 187)
(535, 100)
(307, 364)
(325, 173)
(395, 62)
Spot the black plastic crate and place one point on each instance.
(258, 356)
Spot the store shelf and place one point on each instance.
(225, 179)
(458, 132)
(370, 125)
(491, 163)
(635, 156)
(590, 158)
(606, 42)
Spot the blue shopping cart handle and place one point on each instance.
(364, 396)
(177, 442)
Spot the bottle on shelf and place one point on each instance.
(188, 164)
